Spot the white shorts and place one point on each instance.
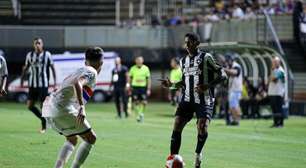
(67, 125)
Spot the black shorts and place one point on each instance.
(139, 93)
(186, 110)
(38, 94)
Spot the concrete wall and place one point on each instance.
(148, 37)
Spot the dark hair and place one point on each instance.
(194, 37)
(94, 54)
(176, 60)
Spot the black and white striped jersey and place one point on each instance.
(39, 65)
(199, 69)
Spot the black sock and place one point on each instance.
(175, 142)
(201, 142)
(38, 114)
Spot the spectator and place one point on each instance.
(297, 11)
(303, 29)
(249, 14)
(276, 92)
(237, 12)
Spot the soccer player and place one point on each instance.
(120, 75)
(200, 75)
(3, 76)
(175, 76)
(38, 63)
(140, 82)
(64, 109)
(235, 83)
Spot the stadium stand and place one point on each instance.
(68, 12)
(8, 15)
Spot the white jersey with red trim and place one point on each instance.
(64, 100)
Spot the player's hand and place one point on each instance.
(201, 88)
(81, 116)
(2, 92)
(165, 82)
(148, 92)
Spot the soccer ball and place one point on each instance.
(175, 161)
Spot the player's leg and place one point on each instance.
(117, 102)
(42, 96)
(33, 97)
(202, 127)
(204, 114)
(84, 148)
(183, 115)
(176, 137)
(142, 98)
(66, 151)
(274, 109)
(124, 102)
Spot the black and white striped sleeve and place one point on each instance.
(28, 58)
(3, 68)
(212, 64)
(49, 58)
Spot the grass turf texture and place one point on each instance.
(127, 144)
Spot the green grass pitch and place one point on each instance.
(127, 144)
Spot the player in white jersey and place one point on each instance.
(64, 109)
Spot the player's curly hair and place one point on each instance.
(194, 37)
(94, 54)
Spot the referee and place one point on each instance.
(37, 64)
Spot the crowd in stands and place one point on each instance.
(229, 9)
(219, 10)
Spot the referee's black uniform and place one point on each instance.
(38, 82)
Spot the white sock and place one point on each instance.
(81, 154)
(64, 154)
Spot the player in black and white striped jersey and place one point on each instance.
(200, 75)
(3, 75)
(38, 64)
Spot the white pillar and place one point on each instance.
(131, 10)
(117, 12)
(142, 8)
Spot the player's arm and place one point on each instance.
(54, 74)
(78, 85)
(25, 69)
(232, 71)
(127, 77)
(51, 65)
(218, 70)
(167, 83)
(149, 85)
(4, 73)
(273, 77)
(112, 81)
(129, 81)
